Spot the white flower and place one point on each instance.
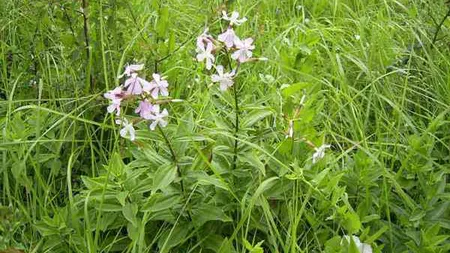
(205, 54)
(244, 51)
(127, 129)
(225, 79)
(291, 129)
(158, 118)
(320, 153)
(136, 85)
(233, 18)
(228, 37)
(115, 96)
(130, 69)
(362, 247)
(357, 37)
(158, 85)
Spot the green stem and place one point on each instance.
(438, 29)
(174, 157)
(236, 124)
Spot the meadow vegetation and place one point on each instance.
(241, 167)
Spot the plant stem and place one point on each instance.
(174, 157)
(236, 124)
(438, 29)
(89, 77)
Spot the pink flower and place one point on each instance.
(158, 118)
(116, 97)
(225, 79)
(233, 18)
(127, 129)
(158, 85)
(228, 37)
(205, 54)
(145, 109)
(136, 84)
(244, 51)
(129, 69)
(203, 39)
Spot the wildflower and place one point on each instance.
(158, 118)
(228, 37)
(233, 18)
(320, 152)
(127, 129)
(225, 79)
(244, 49)
(130, 69)
(145, 109)
(362, 247)
(204, 38)
(158, 85)
(357, 37)
(115, 96)
(136, 84)
(206, 54)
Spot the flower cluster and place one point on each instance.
(146, 93)
(241, 50)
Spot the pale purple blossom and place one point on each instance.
(158, 86)
(205, 54)
(127, 130)
(224, 79)
(145, 109)
(233, 18)
(136, 85)
(320, 153)
(204, 39)
(130, 69)
(244, 49)
(228, 37)
(115, 96)
(158, 118)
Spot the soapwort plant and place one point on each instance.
(142, 92)
(238, 51)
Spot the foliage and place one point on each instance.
(360, 75)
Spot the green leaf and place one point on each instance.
(352, 222)
(116, 165)
(253, 249)
(294, 88)
(172, 237)
(206, 212)
(129, 211)
(226, 247)
(253, 160)
(121, 196)
(158, 202)
(171, 41)
(162, 26)
(164, 176)
(205, 179)
(255, 116)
